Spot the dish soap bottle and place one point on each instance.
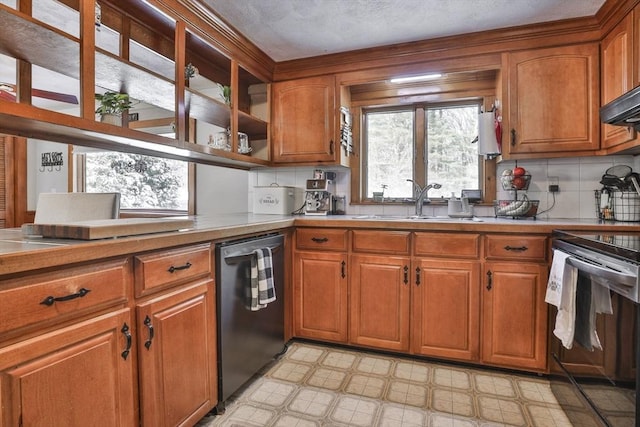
(454, 206)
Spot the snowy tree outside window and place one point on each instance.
(144, 182)
(452, 159)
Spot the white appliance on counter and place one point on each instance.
(274, 199)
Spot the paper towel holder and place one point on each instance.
(488, 144)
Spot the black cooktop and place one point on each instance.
(622, 245)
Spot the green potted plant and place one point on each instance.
(225, 92)
(112, 105)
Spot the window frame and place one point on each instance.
(486, 166)
(79, 180)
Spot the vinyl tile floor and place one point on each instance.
(314, 385)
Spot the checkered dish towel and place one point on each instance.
(263, 290)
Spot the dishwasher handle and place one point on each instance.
(602, 272)
(235, 259)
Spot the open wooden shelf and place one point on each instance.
(252, 126)
(207, 109)
(39, 43)
(32, 122)
(26, 38)
(228, 155)
(118, 75)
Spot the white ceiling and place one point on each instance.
(293, 29)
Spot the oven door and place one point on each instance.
(599, 381)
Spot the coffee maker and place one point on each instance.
(319, 194)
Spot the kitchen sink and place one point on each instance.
(413, 218)
(382, 217)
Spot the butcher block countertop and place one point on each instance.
(19, 253)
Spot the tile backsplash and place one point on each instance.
(577, 177)
(296, 177)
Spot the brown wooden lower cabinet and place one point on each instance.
(320, 295)
(177, 356)
(78, 375)
(379, 301)
(74, 354)
(446, 309)
(514, 315)
(426, 307)
(432, 294)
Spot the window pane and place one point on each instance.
(390, 153)
(144, 182)
(452, 158)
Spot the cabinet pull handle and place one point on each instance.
(50, 300)
(173, 269)
(489, 280)
(516, 248)
(331, 147)
(147, 323)
(127, 335)
(406, 274)
(513, 137)
(342, 269)
(320, 239)
(417, 276)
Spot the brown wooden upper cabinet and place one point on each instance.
(616, 55)
(553, 101)
(304, 121)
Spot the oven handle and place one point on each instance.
(604, 273)
(243, 257)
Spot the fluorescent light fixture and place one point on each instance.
(419, 78)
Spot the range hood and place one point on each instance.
(624, 110)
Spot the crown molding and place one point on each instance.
(563, 32)
(222, 36)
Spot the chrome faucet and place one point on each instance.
(421, 194)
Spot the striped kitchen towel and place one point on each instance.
(263, 290)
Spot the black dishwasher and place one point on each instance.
(247, 340)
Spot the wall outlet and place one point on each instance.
(554, 184)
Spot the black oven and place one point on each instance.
(599, 382)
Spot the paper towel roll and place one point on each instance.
(487, 142)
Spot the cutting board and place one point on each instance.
(106, 228)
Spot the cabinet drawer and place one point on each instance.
(521, 248)
(447, 244)
(392, 242)
(62, 295)
(321, 238)
(162, 269)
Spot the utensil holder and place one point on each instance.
(626, 206)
